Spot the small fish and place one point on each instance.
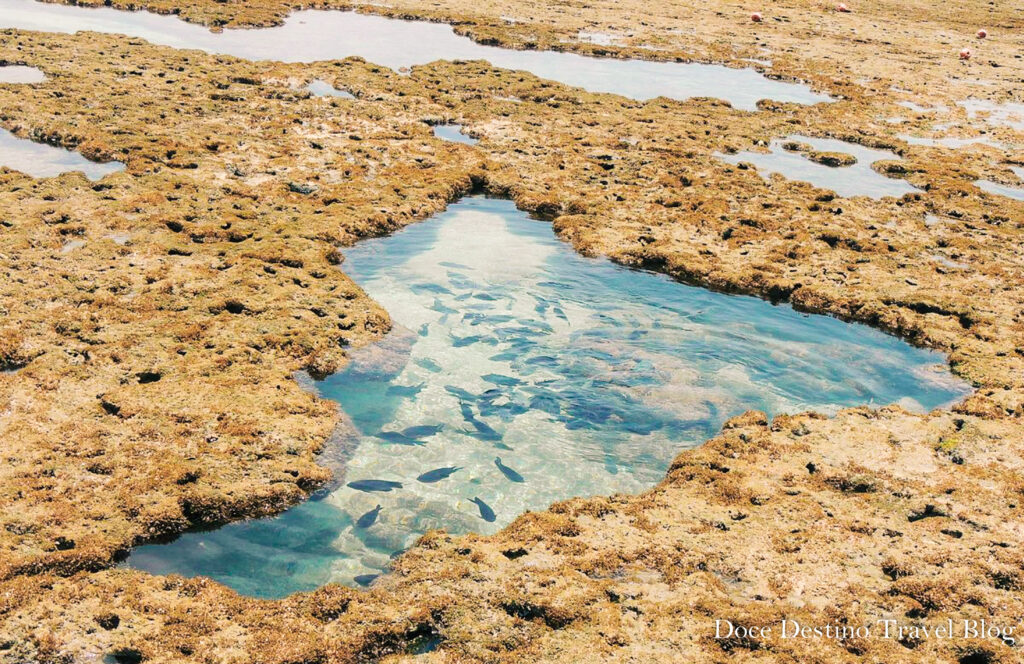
(395, 554)
(437, 474)
(459, 342)
(486, 297)
(486, 513)
(512, 475)
(424, 329)
(428, 364)
(368, 519)
(492, 393)
(501, 379)
(440, 308)
(374, 485)
(485, 430)
(464, 296)
(462, 394)
(543, 360)
(404, 390)
(398, 438)
(365, 579)
(561, 314)
(423, 430)
(429, 288)
(503, 357)
(545, 403)
(467, 411)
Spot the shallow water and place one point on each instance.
(312, 35)
(320, 88)
(584, 377)
(1016, 193)
(20, 74)
(856, 180)
(948, 142)
(1009, 114)
(42, 161)
(453, 132)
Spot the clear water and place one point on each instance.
(313, 35)
(584, 377)
(453, 132)
(20, 74)
(948, 142)
(856, 180)
(324, 89)
(1016, 193)
(42, 161)
(1009, 114)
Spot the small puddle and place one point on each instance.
(20, 74)
(1016, 193)
(42, 161)
(324, 89)
(520, 373)
(854, 180)
(312, 35)
(1009, 114)
(453, 132)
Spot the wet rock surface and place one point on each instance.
(227, 284)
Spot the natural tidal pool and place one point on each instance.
(20, 74)
(42, 161)
(453, 133)
(311, 35)
(858, 179)
(520, 373)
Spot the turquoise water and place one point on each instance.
(583, 377)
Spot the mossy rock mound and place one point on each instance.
(832, 159)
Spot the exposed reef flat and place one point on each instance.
(154, 390)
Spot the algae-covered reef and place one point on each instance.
(155, 319)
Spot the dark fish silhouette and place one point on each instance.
(504, 357)
(398, 438)
(545, 403)
(404, 390)
(365, 579)
(459, 342)
(485, 430)
(440, 308)
(368, 519)
(487, 297)
(486, 513)
(395, 554)
(464, 296)
(501, 379)
(428, 364)
(437, 474)
(423, 430)
(374, 485)
(512, 475)
(467, 411)
(429, 288)
(424, 329)
(460, 393)
(492, 393)
(543, 360)
(561, 314)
